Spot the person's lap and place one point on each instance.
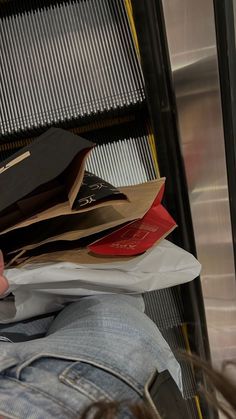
(102, 347)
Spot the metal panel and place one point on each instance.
(192, 43)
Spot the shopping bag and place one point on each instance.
(78, 272)
(73, 225)
(138, 236)
(48, 171)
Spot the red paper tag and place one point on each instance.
(138, 236)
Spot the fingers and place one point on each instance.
(3, 285)
(1, 263)
(3, 281)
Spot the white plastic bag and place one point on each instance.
(163, 266)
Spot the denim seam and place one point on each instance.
(113, 370)
(73, 384)
(46, 395)
(71, 375)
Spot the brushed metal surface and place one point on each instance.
(192, 44)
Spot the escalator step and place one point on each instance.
(67, 61)
(164, 307)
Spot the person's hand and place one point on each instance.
(3, 281)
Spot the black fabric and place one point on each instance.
(167, 397)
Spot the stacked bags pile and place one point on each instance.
(65, 232)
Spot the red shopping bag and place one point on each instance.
(139, 235)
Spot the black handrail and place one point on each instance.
(225, 35)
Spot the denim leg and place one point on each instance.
(101, 347)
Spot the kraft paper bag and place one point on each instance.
(76, 224)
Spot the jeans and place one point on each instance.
(100, 348)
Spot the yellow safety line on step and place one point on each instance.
(154, 154)
(196, 398)
(129, 11)
(153, 150)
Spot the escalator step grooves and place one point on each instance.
(156, 303)
(133, 154)
(67, 61)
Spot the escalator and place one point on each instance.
(101, 69)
